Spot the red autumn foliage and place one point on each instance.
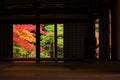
(29, 27)
(22, 41)
(41, 29)
(26, 45)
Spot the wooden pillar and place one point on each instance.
(37, 31)
(115, 23)
(6, 40)
(104, 40)
(90, 40)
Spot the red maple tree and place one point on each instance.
(24, 35)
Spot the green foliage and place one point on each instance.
(19, 51)
(60, 40)
(47, 40)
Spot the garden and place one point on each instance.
(24, 40)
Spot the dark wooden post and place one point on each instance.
(115, 24)
(6, 40)
(104, 40)
(90, 40)
(37, 30)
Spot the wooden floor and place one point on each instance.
(60, 71)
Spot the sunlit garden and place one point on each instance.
(24, 40)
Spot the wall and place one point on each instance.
(74, 34)
(5, 41)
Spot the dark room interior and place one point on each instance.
(59, 39)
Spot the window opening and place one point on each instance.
(24, 41)
(97, 37)
(51, 41)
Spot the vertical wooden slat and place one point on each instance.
(55, 40)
